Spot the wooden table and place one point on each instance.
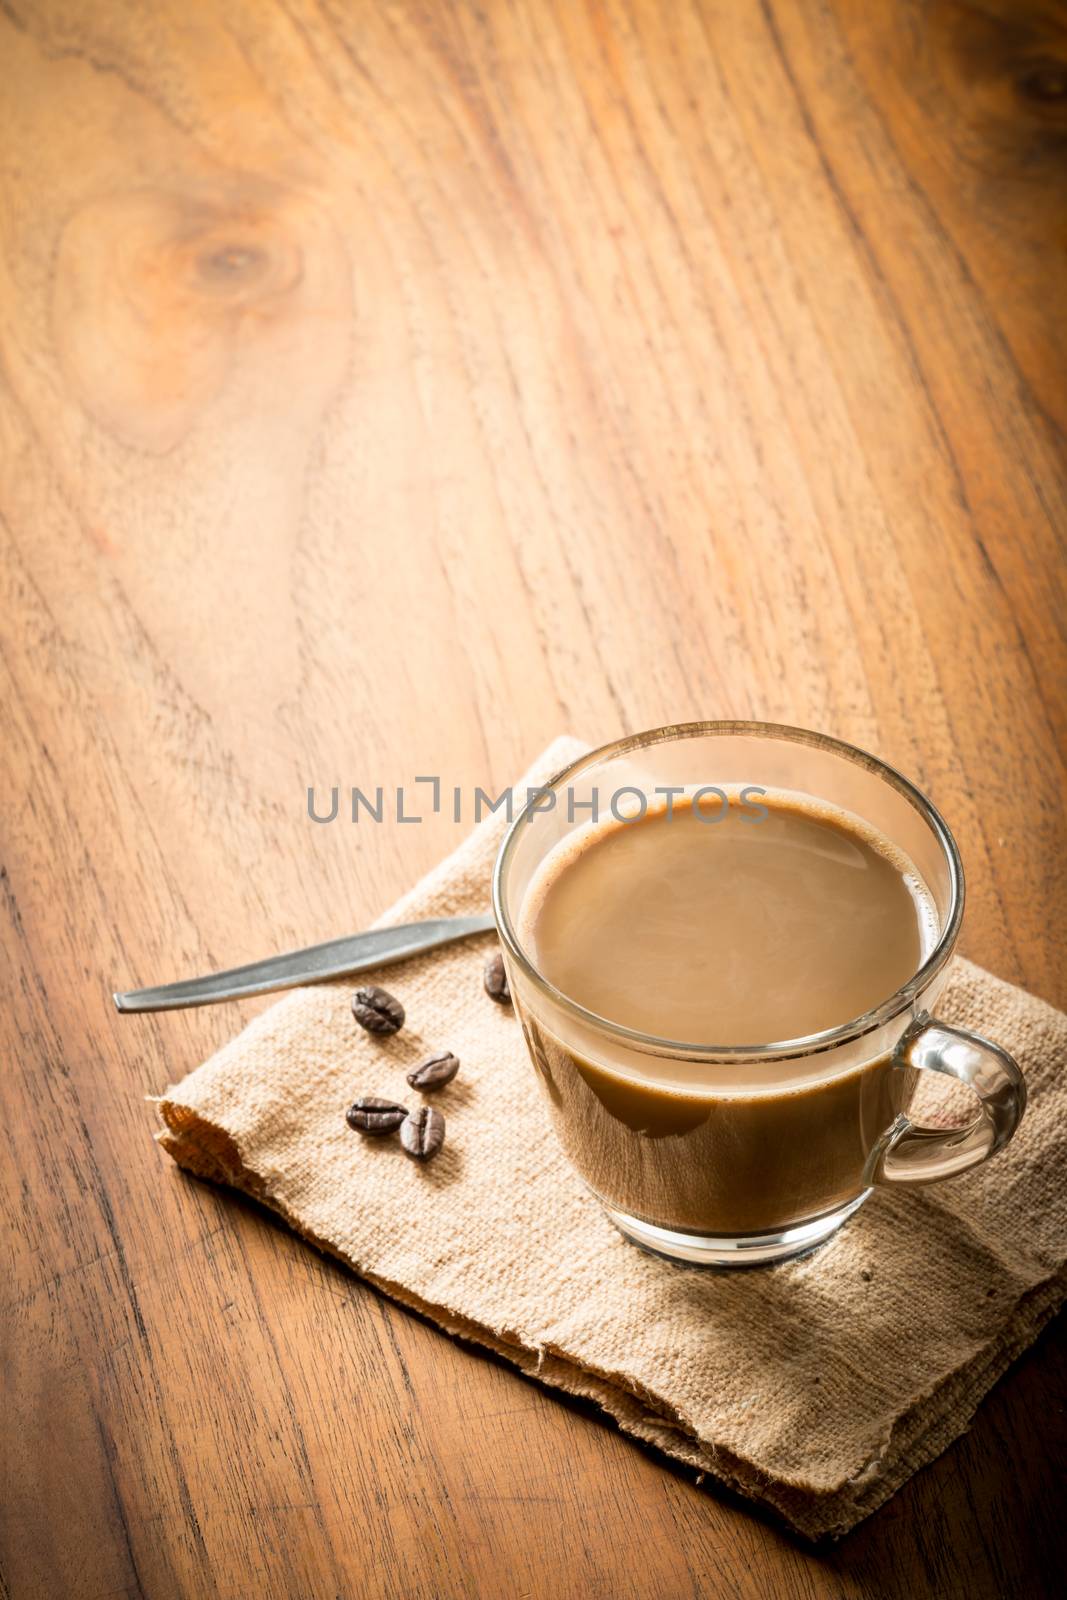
(388, 388)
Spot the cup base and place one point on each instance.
(735, 1250)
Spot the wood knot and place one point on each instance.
(231, 264)
(1043, 83)
(1004, 67)
(228, 263)
(163, 297)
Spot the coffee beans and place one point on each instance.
(370, 1114)
(496, 980)
(435, 1073)
(377, 1010)
(423, 1133)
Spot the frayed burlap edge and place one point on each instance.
(915, 1439)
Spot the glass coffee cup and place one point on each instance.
(719, 1150)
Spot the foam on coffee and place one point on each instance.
(729, 932)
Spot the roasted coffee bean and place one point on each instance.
(423, 1133)
(435, 1073)
(377, 1010)
(371, 1115)
(496, 980)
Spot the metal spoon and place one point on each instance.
(338, 958)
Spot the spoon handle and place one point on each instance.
(338, 958)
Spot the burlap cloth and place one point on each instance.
(817, 1387)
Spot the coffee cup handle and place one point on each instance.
(910, 1153)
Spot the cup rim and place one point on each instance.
(902, 1000)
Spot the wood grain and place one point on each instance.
(387, 389)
